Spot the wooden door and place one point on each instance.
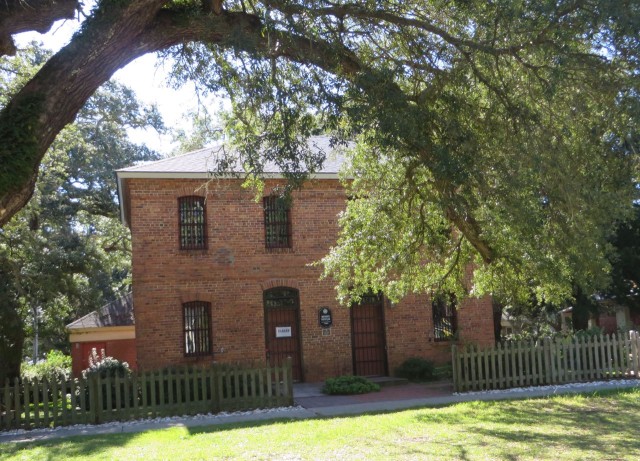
(282, 328)
(368, 337)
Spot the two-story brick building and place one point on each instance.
(220, 277)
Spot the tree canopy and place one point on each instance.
(66, 254)
(497, 134)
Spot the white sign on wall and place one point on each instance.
(283, 332)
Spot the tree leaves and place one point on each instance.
(70, 253)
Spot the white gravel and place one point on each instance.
(596, 385)
(214, 418)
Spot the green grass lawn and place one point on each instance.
(599, 427)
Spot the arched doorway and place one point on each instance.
(368, 340)
(282, 328)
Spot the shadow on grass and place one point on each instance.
(57, 449)
(606, 428)
(87, 444)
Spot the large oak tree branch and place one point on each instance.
(108, 41)
(364, 13)
(55, 95)
(18, 16)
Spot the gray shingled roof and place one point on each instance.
(115, 314)
(205, 160)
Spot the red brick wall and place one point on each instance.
(608, 322)
(121, 349)
(235, 269)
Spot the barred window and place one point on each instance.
(277, 222)
(192, 222)
(197, 332)
(445, 322)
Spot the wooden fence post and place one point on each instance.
(547, 360)
(289, 381)
(635, 353)
(454, 366)
(5, 405)
(95, 401)
(218, 386)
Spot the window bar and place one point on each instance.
(192, 223)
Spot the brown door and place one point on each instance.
(282, 328)
(368, 338)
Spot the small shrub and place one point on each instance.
(105, 366)
(591, 332)
(443, 372)
(348, 385)
(56, 367)
(416, 369)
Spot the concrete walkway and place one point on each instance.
(436, 394)
(311, 403)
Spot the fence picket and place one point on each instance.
(454, 366)
(27, 403)
(65, 417)
(143, 409)
(479, 368)
(131, 397)
(57, 403)
(635, 353)
(625, 363)
(82, 402)
(5, 418)
(587, 358)
(512, 364)
(465, 363)
(499, 359)
(93, 400)
(606, 356)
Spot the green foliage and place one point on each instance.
(416, 369)
(105, 367)
(501, 136)
(19, 130)
(67, 250)
(11, 325)
(625, 286)
(510, 145)
(590, 333)
(443, 372)
(56, 367)
(204, 131)
(347, 385)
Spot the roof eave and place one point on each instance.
(123, 174)
(207, 175)
(121, 199)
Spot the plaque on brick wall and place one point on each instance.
(324, 317)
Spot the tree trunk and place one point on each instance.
(498, 308)
(11, 328)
